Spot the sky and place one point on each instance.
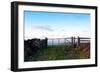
(55, 24)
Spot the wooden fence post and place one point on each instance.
(72, 41)
(78, 41)
(46, 42)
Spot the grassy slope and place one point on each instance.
(59, 52)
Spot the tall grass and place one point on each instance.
(59, 52)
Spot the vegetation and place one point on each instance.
(60, 52)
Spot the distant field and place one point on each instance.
(62, 52)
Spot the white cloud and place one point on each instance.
(37, 32)
(46, 28)
(46, 31)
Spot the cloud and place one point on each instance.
(37, 31)
(46, 28)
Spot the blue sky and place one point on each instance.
(55, 24)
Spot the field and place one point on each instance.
(62, 52)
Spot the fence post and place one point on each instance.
(72, 41)
(78, 41)
(46, 42)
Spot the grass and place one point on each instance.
(59, 52)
